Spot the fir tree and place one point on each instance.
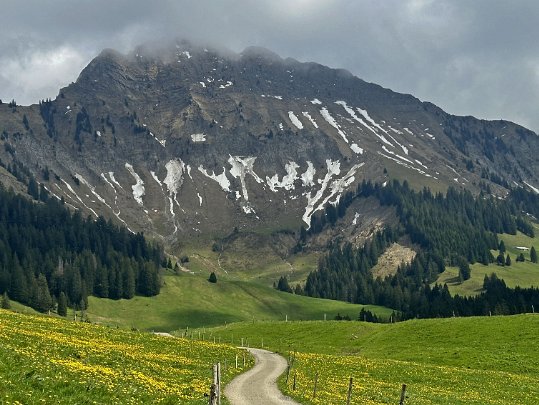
(508, 260)
(533, 255)
(42, 299)
(212, 278)
(282, 284)
(6, 304)
(62, 304)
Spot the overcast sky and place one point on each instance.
(477, 57)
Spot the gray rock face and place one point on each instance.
(182, 141)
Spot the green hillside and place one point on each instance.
(522, 274)
(478, 360)
(55, 361)
(188, 300)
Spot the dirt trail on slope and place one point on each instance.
(258, 385)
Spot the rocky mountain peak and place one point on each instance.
(182, 140)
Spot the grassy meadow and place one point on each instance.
(489, 360)
(56, 361)
(523, 274)
(189, 300)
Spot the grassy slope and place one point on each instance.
(191, 301)
(55, 361)
(523, 274)
(492, 360)
(506, 343)
(265, 269)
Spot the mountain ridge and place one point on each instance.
(188, 142)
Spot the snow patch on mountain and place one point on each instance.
(331, 121)
(198, 137)
(308, 177)
(315, 101)
(108, 182)
(138, 187)
(92, 189)
(336, 187)
(221, 179)
(240, 167)
(295, 120)
(308, 116)
(535, 189)
(288, 180)
(78, 198)
(356, 149)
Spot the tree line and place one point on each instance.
(49, 254)
(452, 229)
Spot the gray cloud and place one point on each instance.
(479, 58)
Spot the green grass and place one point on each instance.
(55, 361)
(265, 267)
(488, 360)
(522, 274)
(188, 300)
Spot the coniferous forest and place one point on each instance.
(452, 229)
(51, 256)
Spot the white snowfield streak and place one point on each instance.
(308, 116)
(240, 167)
(536, 190)
(78, 198)
(337, 186)
(174, 180)
(355, 117)
(406, 165)
(111, 175)
(375, 124)
(138, 187)
(288, 180)
(221, 179)
(308, 177)
(295, 120)
(92, 189)
(331, 121)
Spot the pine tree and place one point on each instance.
(508, 260)
(501, 247)
(6, 304)
(42, 300)
(464, 270)
(533, 255)
(212, 278)
(282, 284)
(62, 304)
(500, 260)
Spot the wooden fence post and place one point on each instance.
(315, 384)
(213, 389)
(287, 374)
(243, 359)
(218, 383)
(403, 394)
(236, 361)
(349, 397)
(294, 384)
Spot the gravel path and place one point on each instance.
(258, 385)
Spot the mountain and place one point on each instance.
(184, 142)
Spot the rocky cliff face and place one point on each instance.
(185, 141)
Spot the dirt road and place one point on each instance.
(258, 386)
